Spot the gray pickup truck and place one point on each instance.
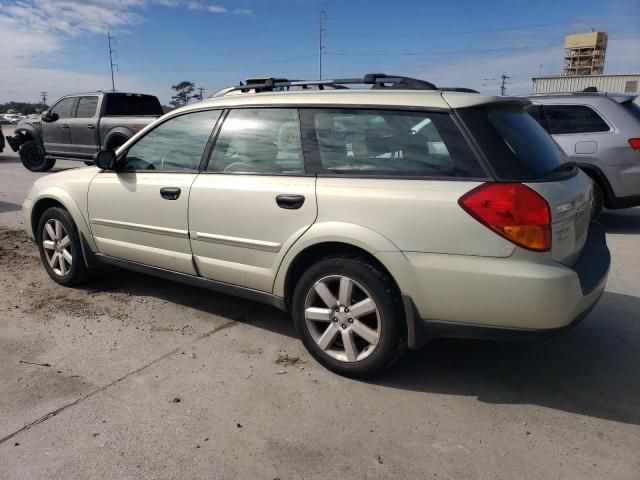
(77, 126)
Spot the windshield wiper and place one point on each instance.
(570, 165)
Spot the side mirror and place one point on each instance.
(50, 116)
(106, 159)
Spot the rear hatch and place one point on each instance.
(518, 150)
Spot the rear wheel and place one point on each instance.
(348, 316)
(33, 158)
(60, 249)
(116, 142)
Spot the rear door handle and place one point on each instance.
(91, 126)
(170, 193)
(290, 202)
(64, 125)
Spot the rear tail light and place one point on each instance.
(512, 210)
(635, 143)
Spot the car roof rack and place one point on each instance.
(376, 80)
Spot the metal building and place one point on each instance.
(629, 83)
(584, 53)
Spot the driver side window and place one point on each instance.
(175, 145)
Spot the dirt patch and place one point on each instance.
(286, 361)
(65, 304)
(16, 249)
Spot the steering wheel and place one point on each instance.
(241, 167)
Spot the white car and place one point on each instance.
(378, 218)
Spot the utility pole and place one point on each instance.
(201, 94)
(43, 96)
(503, 86)
(321, 33)
(111, 54)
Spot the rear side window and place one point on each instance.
(384, 142)
(562, 119)
(64, 108)
(259, 140)
(517, 147)
(87, 107)
(131, 104)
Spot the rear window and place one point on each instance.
(632, 108)
(563, 119)
(516, 146)
(384, 142)
(124, 105)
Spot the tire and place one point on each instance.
(326, 339)
(48, 233)
(33, 159)
(598, 201)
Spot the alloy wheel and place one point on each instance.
(57, 247)
(343, 318)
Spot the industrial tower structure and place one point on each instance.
(584, 53)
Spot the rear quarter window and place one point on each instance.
(514, 144)
(389, 143)
(632, 108)
(566, 119)
(132, 105)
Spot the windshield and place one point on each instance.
(515, 145)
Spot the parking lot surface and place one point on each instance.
(134, 377)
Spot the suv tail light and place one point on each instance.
(512, 210)
(635, 143)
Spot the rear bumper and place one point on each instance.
(506, 298)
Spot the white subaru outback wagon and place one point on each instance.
(379, 218)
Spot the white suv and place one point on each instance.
(379, 218)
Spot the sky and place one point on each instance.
(60, 46)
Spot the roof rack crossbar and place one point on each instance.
(377, 80)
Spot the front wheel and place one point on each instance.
(60, 249)
(349, 316)
(33, 158)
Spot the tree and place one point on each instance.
(184, 92)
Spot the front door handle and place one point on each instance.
(170, 193)
(290, 202)
(91, 126)
(64, 126)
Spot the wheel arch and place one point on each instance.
(25, 133)
(117, 132)
(597, 176)
(61, 199)
(328, 238)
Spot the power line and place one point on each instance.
(111, 64)
(426, 54)
(456, 12)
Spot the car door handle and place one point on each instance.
(170, 193)
(91, 126)
(290, 202)
(64, 125)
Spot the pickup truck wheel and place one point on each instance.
(33, 159)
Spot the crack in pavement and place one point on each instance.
(61, 409)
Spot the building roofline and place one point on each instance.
(589, 76)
